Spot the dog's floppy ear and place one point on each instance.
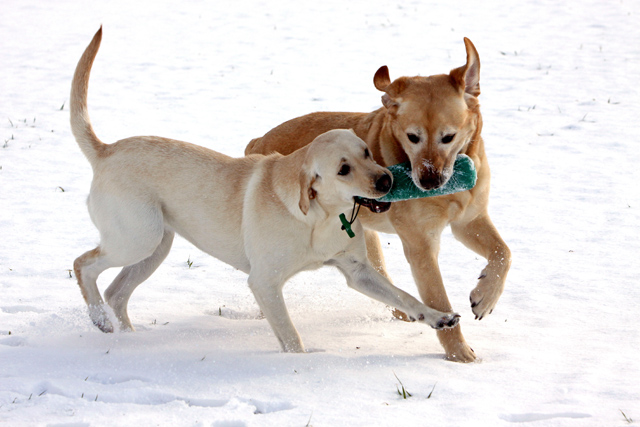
(306, 191)
(467, 77)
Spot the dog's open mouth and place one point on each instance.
(373, 205)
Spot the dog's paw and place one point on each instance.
(486, 294)
(461, 354)
(104, 324)
(437, 321)
(448, 321)
(455, 347)
(127, 328)
(292, 346)
(100, 318)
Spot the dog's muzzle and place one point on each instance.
(373, 205)
(383, 185)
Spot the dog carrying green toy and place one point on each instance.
(464, 178)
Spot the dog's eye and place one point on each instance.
(448, 138)
(413, 137)
(344, 170)
(366, 153)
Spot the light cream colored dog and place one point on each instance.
(427, 121)
(268, 216)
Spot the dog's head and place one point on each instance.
(339, 167)
(434, 118)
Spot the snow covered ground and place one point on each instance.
(560, 101)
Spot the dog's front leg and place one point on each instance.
(362, 277)
(421, 250)
(268, 293)
(481, 236)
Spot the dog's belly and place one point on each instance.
(226, 248)
(214, 233)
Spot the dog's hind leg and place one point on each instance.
(130, 231)
(131, 252)
(87, 268)
(120, 290)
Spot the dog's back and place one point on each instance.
(296, 133)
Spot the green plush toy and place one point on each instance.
(463, 178)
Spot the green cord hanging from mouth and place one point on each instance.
(346, 225)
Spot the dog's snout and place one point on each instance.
(430, 181)
(383, 184)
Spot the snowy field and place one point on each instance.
(560, 102)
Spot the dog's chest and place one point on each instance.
(328, 239)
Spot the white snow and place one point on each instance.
(560, 102)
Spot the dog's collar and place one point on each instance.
(346, 225)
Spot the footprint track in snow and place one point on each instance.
(14, 309)
(534, 416)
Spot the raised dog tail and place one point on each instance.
(81, 127)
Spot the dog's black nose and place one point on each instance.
(383, 184)
(430, 181)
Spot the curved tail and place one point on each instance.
(81, 127)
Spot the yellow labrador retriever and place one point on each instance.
(427, 121)
(268, 216)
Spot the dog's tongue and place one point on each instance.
(374, 205)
